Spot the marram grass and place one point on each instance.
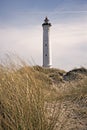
(22, 101)
(29, 100)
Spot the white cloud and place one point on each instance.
(25, 42)
(69, 43)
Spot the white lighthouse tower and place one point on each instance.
(46, 44)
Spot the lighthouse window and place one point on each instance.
(45, 44)
(46, 55)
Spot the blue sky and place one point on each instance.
(21, 30)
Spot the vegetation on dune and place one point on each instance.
(23, 104)
(55, 75)
(35, 98)
(75, 74)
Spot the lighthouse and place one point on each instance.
(46, 44)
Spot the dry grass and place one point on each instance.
(29, 100)
(23, 105)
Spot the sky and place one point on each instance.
(21, 31)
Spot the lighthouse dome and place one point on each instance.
(46, 22)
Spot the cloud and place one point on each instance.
(24, 42)
(70, 11)
(21, 31)
(68, 43)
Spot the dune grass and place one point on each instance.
(23, 104)
(28, 100)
